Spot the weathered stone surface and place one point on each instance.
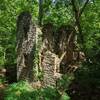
(26, 36)
(48, 69)
(50, 66)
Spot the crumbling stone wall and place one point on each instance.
(48, 69)
(59, 53)
(26, 33)
(50, 66)
(61, 41)
(49, 59)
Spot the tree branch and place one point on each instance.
(77, 11)
(74, 6)
(82, 9)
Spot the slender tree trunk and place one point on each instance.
(78, 12)
(40, 12)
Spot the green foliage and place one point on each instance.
(91, 25)
(23, 91)
(2, 58)
(65, 97)
(9, 10)
(2, 80)
(90, 71)
(58, 12)
(14, 91)
(64, 82)
(89, 74)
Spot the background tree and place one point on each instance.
(9, 10)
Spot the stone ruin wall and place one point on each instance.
(26, 35)
(58, 53)
(57, 50)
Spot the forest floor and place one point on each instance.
(80, 94)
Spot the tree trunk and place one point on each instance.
(40, 12)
